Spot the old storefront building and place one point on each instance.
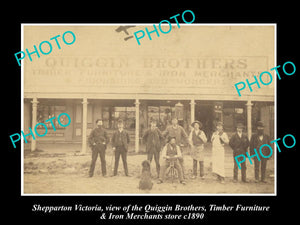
(189, 73)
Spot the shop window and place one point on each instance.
(239, 110)
(163, 115)
(46, 111)
(130, 118)
(153, 112)
(263, 111)
(228, 116)
(233, 114)
(106, 117)
(218, 113)
(111, 115)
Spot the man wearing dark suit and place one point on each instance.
(239, 143)
(120, 141)
(153, 139)
(98, 140)
(256, 141)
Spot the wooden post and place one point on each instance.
(137, 125)
(84, 125)
(34, 121)
(249, 118)
(192, 103)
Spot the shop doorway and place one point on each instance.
(204, 112)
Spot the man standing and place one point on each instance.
(98, 140)
(120, 141)
(178, 132)
(256, 141)
(197, 139)
(153, 139)
(239, 143)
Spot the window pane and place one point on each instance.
(130, 109)
(164, 117)
(130, 120)
(122, 115)
(46, 111)
(153, 112)
(105, 117)
(63, 120)
(153, 109)
(239, 110)
(59, 108)
(120, 109)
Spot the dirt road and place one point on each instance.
(68, 174)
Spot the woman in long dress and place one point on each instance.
(218, 139)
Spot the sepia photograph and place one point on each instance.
(131, 109)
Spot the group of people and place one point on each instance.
(98, 141)
(167, 146)
(239, 143)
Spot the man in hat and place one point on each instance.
(98, 140)
(197, 139)
(239, 143)
(177, 131)
(120, 141)
(171, 151)
(258, 139)
(153, 139)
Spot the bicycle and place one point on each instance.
(171, 171)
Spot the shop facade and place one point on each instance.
(192, 83)
(84, 113)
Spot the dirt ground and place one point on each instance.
(55, 171)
